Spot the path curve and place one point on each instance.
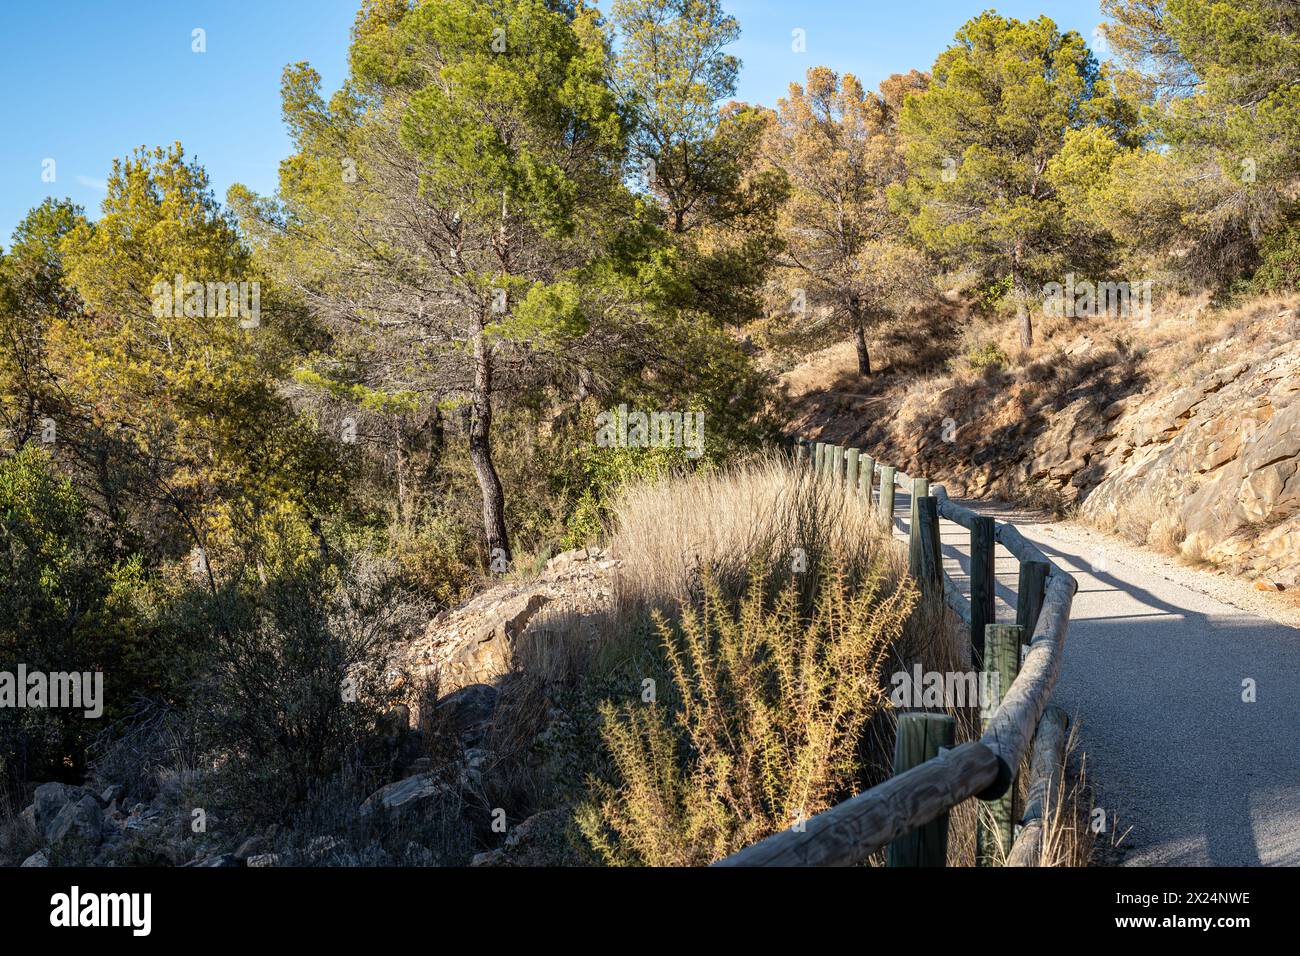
(1153, 675)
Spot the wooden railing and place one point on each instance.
(908, 812)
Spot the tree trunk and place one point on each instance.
(480, 454)
(1026, 325)
(860, 340)
(1021, 295)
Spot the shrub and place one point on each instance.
(762, 727)
(987, 356)
(55, 612)
(1279, 267)
(297, 681)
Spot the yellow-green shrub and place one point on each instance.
(760, 728)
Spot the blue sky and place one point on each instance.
(85, 81)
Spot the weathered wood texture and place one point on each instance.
(983, 594)
(994, 830)
(920, 737)
(887, 496)
(1045, 772)
(849, 832)
(1029, 593)
(920, 489)
(930, 566)
(1010, 730)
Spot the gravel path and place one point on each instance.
(1154, 671)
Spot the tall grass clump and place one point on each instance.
(768, 512)
(764, 719)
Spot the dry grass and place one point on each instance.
(676, 534)
(767, 512)
(1146, 517)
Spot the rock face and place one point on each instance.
(78, 824)
(49, 800)
(477, 642)
(1198, 455)
(1215, 468)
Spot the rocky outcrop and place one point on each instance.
(1196, 455)
(1214, 468)
(477, 643)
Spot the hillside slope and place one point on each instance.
(1182, 432)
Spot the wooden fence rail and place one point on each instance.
(924, 792)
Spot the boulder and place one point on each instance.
(408, 797)
(263, 859)
(486, 653)
(78, 824)
(468, 711)
(39, 858)
(49, 800)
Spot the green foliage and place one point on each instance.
(1218, 82)
(297, 682)
(985, 142)
(991, 294)
(986, 356)
(759, 730)
(1279, 268)
(189, 393)
(66, 606)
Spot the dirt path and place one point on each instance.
(1153, 675)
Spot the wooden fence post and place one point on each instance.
(920, 489)
(995, 829)
(983, 583)
(819, 455)
(867, 477)
(1029, 595)
(929, 570)
(1045, 772)
(851, 469)
(920, 735)
(887, 473)
(837, 462)
(800, 452)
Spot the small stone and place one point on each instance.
(39, 858)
